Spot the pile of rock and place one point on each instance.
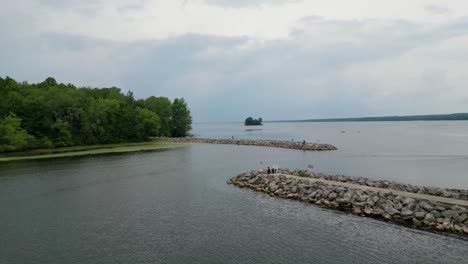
(251, 142)
(448, 193)
(408, 211)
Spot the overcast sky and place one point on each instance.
(278, 59)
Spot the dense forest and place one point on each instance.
(51, 114)
(249, 121)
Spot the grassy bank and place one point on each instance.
(89, 150)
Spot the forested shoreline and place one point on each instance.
(51, 114)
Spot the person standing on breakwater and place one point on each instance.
(303, 142)
(268, 170)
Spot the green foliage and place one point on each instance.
(147, 124)
(162, 107)
(181, 122)
(249, 121)
(12, 135)
(51, 114)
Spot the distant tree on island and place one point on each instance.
(249, 121)
(51, 114)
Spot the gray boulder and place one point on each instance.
(390, 210)
(420, 215)
(463, 218)
(436, 214)
(408, 200)
(398, 206)
(429, 218)
(450, 214)
(428, 207)
(332, 196)
(406, 212)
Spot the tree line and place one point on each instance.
(51, 114)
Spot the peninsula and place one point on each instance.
(428, 208)
(250, 142)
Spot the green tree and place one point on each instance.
(62, 135)
(147, 124)
(162, 107)
(12, 135)
(181, 122)
(50, 114)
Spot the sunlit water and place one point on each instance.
(175, 206)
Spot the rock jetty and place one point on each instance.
(251, 142)
(448, 193)
(387, 205)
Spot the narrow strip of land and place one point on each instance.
(432, 198)
(302, 145)
(90, 150)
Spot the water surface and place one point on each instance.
(175, 206)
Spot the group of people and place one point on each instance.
(271, 171)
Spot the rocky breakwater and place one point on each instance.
(385, 204)
(250, 142)
(442, 192)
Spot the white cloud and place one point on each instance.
(300, 59)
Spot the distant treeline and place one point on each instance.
(51, 114)
(459, 116)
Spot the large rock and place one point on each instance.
(428, 207)
(463, 218)
(398, 206)
(450, 214)
(408, 200)
(411, 206)
(332, 196)
(420, 215)
(406, 212)
(429, 218)
(390, 210)
(435, 213)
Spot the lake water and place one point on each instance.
(174, 206)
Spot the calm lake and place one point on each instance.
(174, 206)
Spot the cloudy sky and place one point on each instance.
(279, 59)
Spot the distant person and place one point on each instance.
(268, 170)
(232, 137)
(274, 170)
(303, 142)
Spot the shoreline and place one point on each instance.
(89, 150)
(254, 142)
(435, 213)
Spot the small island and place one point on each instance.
(249, 121)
